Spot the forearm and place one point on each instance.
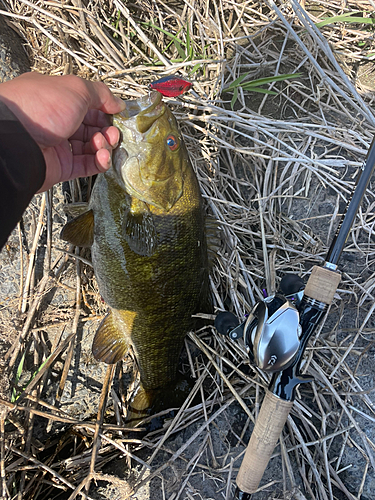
(22, 171)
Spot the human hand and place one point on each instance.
(67, 117)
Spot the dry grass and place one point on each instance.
(266, 169)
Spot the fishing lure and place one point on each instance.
(171, 86)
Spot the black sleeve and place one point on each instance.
(22, 171)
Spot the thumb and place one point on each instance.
(102, 98)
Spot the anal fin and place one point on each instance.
(110, 344)
(80, 231)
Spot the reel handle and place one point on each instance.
(267, 430)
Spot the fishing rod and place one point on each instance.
(276, 334)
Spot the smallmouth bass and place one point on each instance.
(146, 228)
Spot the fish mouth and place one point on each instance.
(146, 110)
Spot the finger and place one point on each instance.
(86, 165)
(108, 138)
(112, 134)
(96, 118)
(103, 160)
(77, 147)
(84, 133)
(102, 98)
(98, 141)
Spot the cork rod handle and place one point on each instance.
(267, 430)
(322, 284)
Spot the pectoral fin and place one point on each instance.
(80, 231)
(110, 341)
(139, 229)
(76, 208)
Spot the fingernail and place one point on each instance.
(120, 102)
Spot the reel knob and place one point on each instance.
(225, 322)
(291, 284)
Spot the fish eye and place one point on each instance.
(172, 142)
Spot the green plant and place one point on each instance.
(15, 394)
(253, 85)
(187, 50)
(17, 378)
(346, 18)
(115, 23)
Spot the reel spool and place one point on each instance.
(271, 332)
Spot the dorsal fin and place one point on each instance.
(80, 231)
(110, 342)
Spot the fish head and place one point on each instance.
(151, 158)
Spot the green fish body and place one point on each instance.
(145, 225)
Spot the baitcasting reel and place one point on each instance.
(272, 330)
